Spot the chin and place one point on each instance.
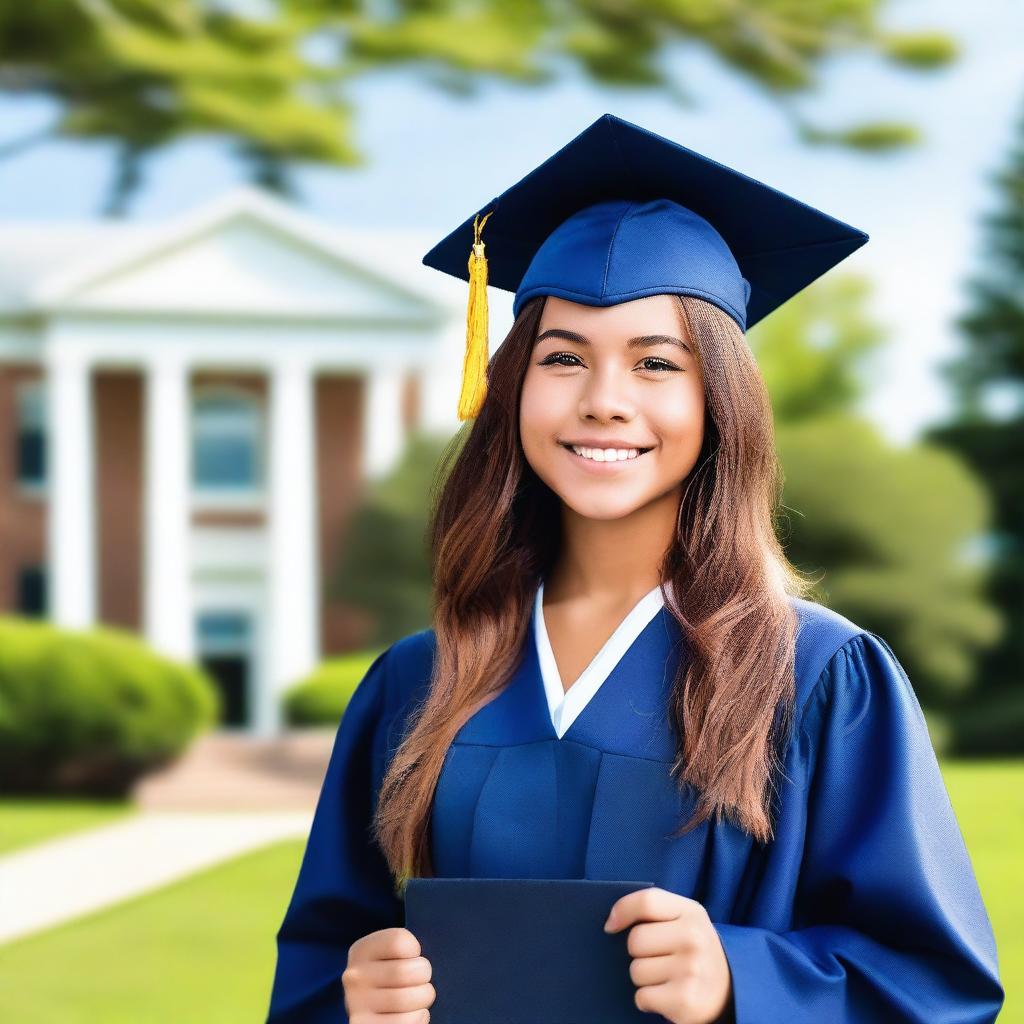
(614, 508)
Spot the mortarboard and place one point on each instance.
(619, 213)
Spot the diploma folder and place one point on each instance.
(523, 950)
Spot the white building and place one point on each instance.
(193, 407)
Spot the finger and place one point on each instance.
(650, 904)
(652, 970)
(412, 1017)
(655, 938)
(414, 970)
(662, 997)
(386, 943)
(400, 1000)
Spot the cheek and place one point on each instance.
(678, 420)
(539, 412)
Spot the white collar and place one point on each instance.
(564, 705)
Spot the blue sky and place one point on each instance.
(432, 160)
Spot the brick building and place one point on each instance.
(190, 409)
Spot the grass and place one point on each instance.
(988, 797)
(203, 948)
(24, 822)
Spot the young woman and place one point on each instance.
(625, 678)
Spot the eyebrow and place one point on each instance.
(640, 341)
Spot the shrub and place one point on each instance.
(321, 698)
(91, 711)
(993, 727)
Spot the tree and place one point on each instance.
(145, 73)
(385, 563)
(986, 428)
(886, 531)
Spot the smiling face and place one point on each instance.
(623, 380)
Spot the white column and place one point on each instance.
(442, 376)
(167, 575)
(293, 647)
(446, 352)
(383, 433)
(72, 514)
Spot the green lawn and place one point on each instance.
(23, 822)
(988, 797)
(203, 949)
(199, 950)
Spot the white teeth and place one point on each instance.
(607, 454)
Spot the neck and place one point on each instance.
(615, 561)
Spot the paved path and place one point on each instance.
(231, 772)
(65, 877)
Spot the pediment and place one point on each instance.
(241, 264)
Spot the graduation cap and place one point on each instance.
(619, 213)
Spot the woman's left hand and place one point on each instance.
(679, 966)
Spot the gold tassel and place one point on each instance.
(474, 367)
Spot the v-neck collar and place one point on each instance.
(565, 705)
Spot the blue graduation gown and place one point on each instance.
(863, 909)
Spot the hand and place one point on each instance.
(679, 966)
(386, 976)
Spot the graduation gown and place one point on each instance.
(863, 909)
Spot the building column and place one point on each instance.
(383, 431)
(442, 376)
(71, 525)
(293, 642)
(167, 593)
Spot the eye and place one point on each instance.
(665, 364)
(555, 359)
(551, 360)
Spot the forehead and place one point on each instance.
(652, 314)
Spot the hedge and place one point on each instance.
(91, 711)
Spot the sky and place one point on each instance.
(432, 160)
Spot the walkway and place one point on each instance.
(229, 794)
(63, 878)
(225, 771)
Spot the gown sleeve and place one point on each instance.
(344, 888)
(892, 927)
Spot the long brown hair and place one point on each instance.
(492, 542)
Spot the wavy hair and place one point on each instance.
(491, 545)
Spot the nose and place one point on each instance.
(606, 396)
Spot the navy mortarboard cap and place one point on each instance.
(619, 213)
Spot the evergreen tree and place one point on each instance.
(987, 426)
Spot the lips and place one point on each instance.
(603, 466)
(617, 447)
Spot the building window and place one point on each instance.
(227, 445)
(30, 436)
(31, 596)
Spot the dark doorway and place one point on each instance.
(224, 652)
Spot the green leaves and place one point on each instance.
(884, 530)
(146, 72)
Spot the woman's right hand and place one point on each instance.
(387, 975)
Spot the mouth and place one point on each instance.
(576, 453)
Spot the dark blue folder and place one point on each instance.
(524, 950)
